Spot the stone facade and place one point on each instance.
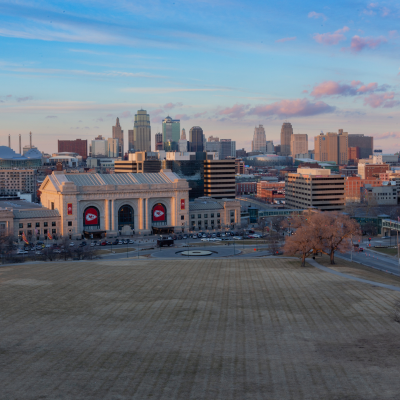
(107, 195)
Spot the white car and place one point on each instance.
(120, 242)
(38, 253)
(205, 239)
(131, 242)
(92, 244)
(22, 251)
(71, 244)
(237, 238)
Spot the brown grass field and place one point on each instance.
(198, 329)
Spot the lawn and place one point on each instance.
(388, 251)
(195, 329)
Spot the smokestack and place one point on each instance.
(20, 152)
(30, 140)
(9, 141)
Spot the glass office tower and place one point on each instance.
(171, 130)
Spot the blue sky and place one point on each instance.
(69, 68)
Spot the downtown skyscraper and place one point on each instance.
(118, 133)
(171, 130)
(259, 139)
(142, 131)
(286, 138)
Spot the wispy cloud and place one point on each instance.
(51, 117)
(316, 15)
(330, 39)
(237, 111)
(288, 39)
(163, 90)
(360, 43)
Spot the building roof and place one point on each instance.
(163, 177)
(203, 203)
(25, 209)
(9, 154)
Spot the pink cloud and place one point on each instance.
(359, 43)
(330, 39)
(393, 34)
(198, 115)
(126, 114)
(385, 100)
(182, 117)
(332, 88)
(316, 15)
(157, 112)
(169, 106)
(237, 111)
(288, 39)
(385, 12)
(304, 91)
(292, 108)
(387, 135)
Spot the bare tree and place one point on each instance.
(322, 232)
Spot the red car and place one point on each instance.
(360, 249)
(103, 243)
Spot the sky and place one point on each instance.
(68, 69)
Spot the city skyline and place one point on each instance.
(71, 73)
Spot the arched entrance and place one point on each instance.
(126, 218)
(91, 223)
(159, 215)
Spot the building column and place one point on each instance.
(141, 216)
(112, 215)
(146, 215)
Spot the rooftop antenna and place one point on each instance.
(20, 144)
(9, 141)
(30, 140)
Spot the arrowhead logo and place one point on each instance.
(158, 213)
(90, 217)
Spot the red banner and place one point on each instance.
(159, 213)
(91, 216)
(182, 204)
(24, 238)
(69, 208)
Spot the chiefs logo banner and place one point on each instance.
(158, 213)
(69, 208)
(91, 216)
(182, 204)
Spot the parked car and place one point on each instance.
(72, 244)
(57, 251)
(39, 243)
(103, 243)
(82, 244)
(131, 242)
(20, 251)
(179, 237)
(360, 249)
(115, 242)
(218, 234)
(120, 242)
(184, 237)
(39, 253)
(92, 244)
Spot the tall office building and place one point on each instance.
(159, 145)
(228, 148)
(259, 139)
(99, 147)
(183, 143)
(270, 147)
(171, 129)
(142, 131)
(364, 143)
(196, 139)
(286, 137)
(213, 139)
(112, 147)
(219, 179)
(332, 147)
(131, 141)
(78, 146)
(299, 144)
(118, 133)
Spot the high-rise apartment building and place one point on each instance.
(270, 147)
(332, 146)
(118, 133)
(219, 179)
(364, 143)
(354, 154)
(286, 137)
(315, 188)
(171, 129)
(196, 139)
(142, 131)
(78, 146)
(131, 140)
(158, 140)
(99, 147)
(298, 144)
(259, 139)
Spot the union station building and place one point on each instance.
(95, 204)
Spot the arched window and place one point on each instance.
(159, 215)
(126, 216)
(91, 218)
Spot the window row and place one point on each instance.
(37, 224)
